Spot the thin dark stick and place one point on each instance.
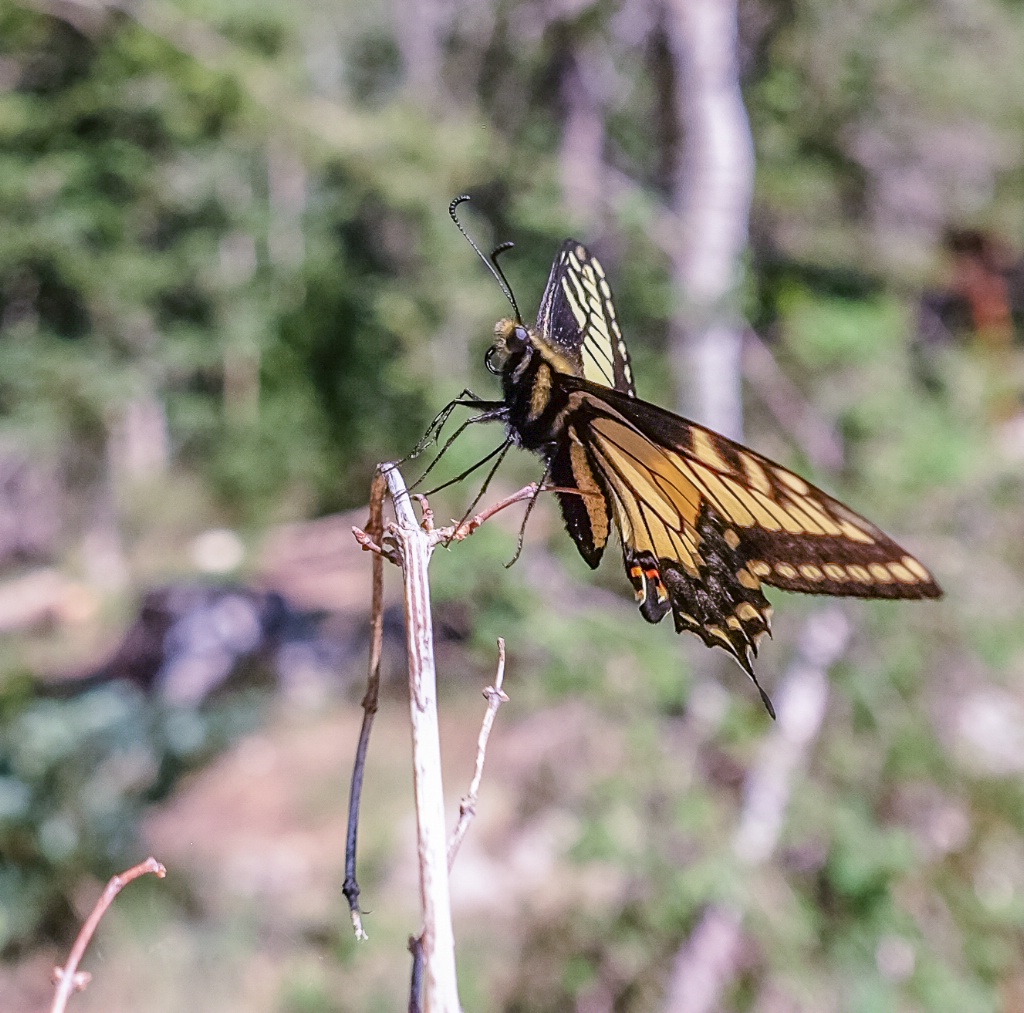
(67, 977)
(416, 982)
(375, 528)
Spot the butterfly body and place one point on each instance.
(703, 521)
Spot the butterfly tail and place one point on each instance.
(736, 622)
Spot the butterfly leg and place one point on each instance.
(467, 399)
(501, 449)
(496, 412)
(466, 528)
(529, 509)
(500, 452)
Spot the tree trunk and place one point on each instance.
(713, 194)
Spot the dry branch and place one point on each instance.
(467, 808)
(68, 978)
(375, 529)
(415, 544)
(410, 543)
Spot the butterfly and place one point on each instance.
(703, 521)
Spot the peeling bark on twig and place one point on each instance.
(415, 544)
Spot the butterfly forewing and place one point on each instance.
(577, 315)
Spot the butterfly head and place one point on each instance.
(512, 347)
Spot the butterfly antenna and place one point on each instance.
(492, 261)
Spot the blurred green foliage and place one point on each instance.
(237, 212)
(76, 776)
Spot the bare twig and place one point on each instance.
(375, 527)
(467, 807)
(440, 988)
(706, 962)
(458, 532)
(68, 978)
(416, 977)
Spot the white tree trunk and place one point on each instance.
(713, 195)
(583, 140)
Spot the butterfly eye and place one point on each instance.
(517, 340)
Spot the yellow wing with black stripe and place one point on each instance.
(705, 521)
(577, 315)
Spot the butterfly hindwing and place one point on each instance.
(705, 522)
(577, 314)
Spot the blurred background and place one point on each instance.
(229, 287)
